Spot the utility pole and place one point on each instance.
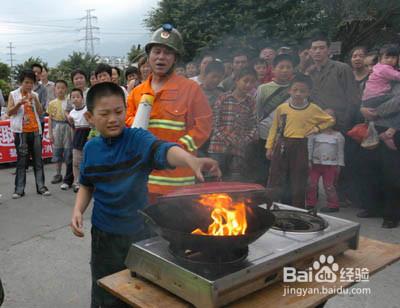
(11, 60)
(89, 38)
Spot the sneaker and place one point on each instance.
(64, 186)
(44, 192)
(17, 196)
(75, 187)
(389, 224)
(329, 209)
(57, 179)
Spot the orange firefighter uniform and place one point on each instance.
(180, 114)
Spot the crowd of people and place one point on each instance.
(284, 120)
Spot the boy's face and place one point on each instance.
(103, 77)
(27, 85)
(77, 99)
(79, 81)
(131, 77)
(180, 71)
(283, 71)
(369, 63)
(191, 70)
(212, 80)
(261, 69)
(204, 63)
(108, 116)
(239, 62)
(114, 76)
(246, 84)
(60, 90)
(299, 92)
(93, 80)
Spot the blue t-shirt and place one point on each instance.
(118, 169)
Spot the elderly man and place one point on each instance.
(180, 111)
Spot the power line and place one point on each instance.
(11, 59)
(89, 38)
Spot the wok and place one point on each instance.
(174, 221)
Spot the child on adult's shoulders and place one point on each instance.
(114, 171)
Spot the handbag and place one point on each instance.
(371, 141)
(359, 132)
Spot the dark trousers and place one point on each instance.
(289, 164)
(379, 171)
(108, 253)
(69, 174)
(257, 164)
(28, 145)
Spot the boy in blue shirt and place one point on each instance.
(114, 171)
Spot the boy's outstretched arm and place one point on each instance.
(178, 157)
(81, 203)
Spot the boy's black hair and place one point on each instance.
(131, 70)
(303, 46)
(101, 68)
(37, 65)
(244, 72)
(320, 36)
(61, 81)
(101, 90)
(117, 69)
(258, 61)
(363, 48)
(215, 66)
(239, 53)
(28, 73)
(374, 55)
(77, 90)
(301, 78)
(390, 50)
(76, 72)
(282, 57)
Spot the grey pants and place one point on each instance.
(28, 145)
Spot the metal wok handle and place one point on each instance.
(148, 219)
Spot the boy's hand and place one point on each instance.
(77, 224)
(204, 164)
(314, 130)
(269, 154)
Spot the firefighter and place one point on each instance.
(180, 111)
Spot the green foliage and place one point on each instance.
(5, 71)
(224, 25)
(135, 53)
(83, 61)
(5, 88)
(27, 65)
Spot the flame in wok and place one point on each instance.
(229, 218)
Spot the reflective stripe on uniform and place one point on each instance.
(171, 181)
(189, 142)
(167, 124)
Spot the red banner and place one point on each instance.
(8, 153)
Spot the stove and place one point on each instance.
(209, 283)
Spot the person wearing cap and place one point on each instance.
(180, 111)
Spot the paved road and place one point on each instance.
(43, 265)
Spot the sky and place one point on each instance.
(51, 29)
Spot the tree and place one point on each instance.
(5, 71)
(27, 65)
(83, 61)
(224, 25)
(135, 53)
